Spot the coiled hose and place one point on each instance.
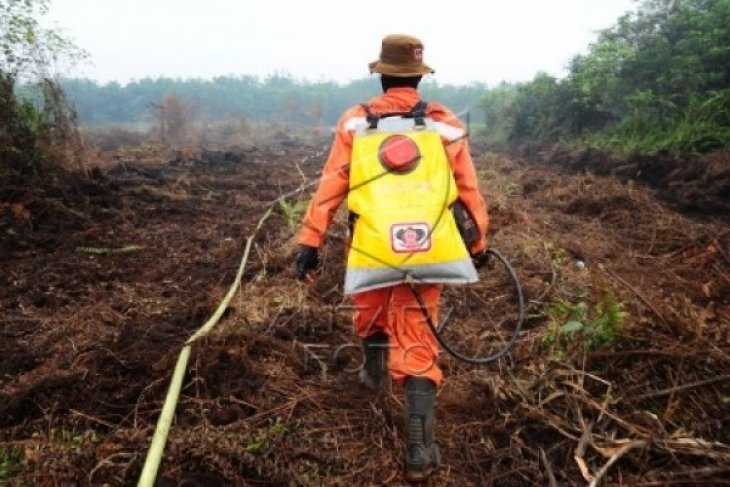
(515, 333)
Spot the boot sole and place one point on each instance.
(433, 466)
(420, 476)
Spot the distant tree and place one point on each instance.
(658, 80)
(26, 49)
(177, 115)
(30, 53)
(496, 105)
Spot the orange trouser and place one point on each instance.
(396, 312)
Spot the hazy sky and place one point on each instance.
(465, 41)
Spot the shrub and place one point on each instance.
(572, 324)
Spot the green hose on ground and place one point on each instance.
(159, 439)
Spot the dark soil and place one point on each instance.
(102, 282)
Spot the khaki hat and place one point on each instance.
(401, 56)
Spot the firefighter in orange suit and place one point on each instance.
(388, 319)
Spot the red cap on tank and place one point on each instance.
(399, 153)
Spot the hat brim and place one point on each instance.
(399, 71)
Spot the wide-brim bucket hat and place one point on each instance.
(401, 56)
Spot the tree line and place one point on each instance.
(277, 98)
(656, 81)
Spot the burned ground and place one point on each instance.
(102, 283)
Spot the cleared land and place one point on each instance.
(102, 282)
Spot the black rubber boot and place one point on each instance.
(422, 454)
(375, 350)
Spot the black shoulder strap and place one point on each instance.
(417, 113)
(371, 119)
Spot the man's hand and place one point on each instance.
(307, 261)
(481, 258)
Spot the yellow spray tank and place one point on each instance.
(401, 192)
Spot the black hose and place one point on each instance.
(515, 334)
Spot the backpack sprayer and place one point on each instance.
(404, 195)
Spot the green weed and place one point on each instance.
(261, 442)
(590, 327)
(487, 174)
(312, 476)
(558, 255)
(73, 438)
(9, 462)
(543, 248)
(293, 212)
(511, 188)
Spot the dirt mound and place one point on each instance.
(695, 183)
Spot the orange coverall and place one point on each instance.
(394, 310)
